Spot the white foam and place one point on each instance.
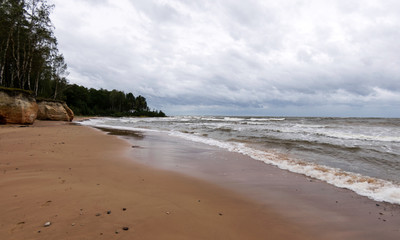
(267, 119)
(354, 136)
(101, 123)
(94, 121)
(233, 119)
(376, 189)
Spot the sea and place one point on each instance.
(360, 154)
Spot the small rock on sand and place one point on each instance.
(47, 224)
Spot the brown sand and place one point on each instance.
(72, 175)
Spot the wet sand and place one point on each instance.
(87, 186)
(326, 211)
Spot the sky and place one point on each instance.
(230, 57)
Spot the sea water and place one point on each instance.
(360, 154)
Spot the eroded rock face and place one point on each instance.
(17, 107)
(56, 111)
(69, 112)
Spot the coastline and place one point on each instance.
(327, 211)
(72, 176)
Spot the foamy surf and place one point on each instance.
(373, 188)
(214, 131)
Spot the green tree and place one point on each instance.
(141, 104)
(130, 101)
(77, 98)
(29, 57)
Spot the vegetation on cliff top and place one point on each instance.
(16, 91)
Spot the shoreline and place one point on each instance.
(321, 207)
(81, 180)
(362, 160)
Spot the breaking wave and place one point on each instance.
(325, 137)
(374, 188)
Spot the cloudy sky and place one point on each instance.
(232, 57)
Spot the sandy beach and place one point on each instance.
(326, 211)
(82, 182)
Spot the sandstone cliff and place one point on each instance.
(17, 106)
(54, 110)
(20, 107)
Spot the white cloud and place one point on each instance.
(250, 57)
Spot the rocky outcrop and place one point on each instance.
(17, 106)
(54, 110)
(20, 107)
(69, 112)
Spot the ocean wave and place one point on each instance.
(362, 137)
(103, 124)
(267, 119)
(233, 119)
(252, 123)
(335, 133)
(374, 188)
(225, 129)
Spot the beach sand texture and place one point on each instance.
(81, 181)
(326, 211)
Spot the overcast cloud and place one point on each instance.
(231, 57)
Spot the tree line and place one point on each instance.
(29, 57)
(30, 60)
(102, 102)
